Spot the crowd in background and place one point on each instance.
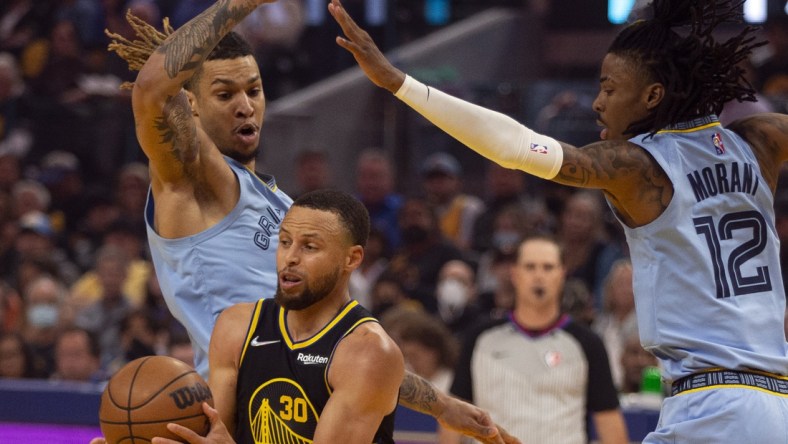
(78, 294)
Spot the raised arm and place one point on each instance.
(365, 374)
(164, 120)
(626, 173)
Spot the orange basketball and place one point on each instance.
(146, 394)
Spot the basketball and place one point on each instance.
(149, 392)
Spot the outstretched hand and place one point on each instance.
(367, 54)
(217, 435)
(472, 421)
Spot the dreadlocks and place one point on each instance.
(699, 74)
(137, 52)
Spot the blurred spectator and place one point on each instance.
(60, 172)
(87, 14)
(99, 213)
(77, 357)
(131, 194)
(771, 63)
(455, 292)
(372, 266)
(30, 196)
(138, 336)
(504, 187)
(581, 229)
(120, 234)
(11, 309)
(10, 173)
(417, 262)
(375, 189)
(44, 315)
(59, 109)
(634, 359)
(429, 348)
(497, 301)
(274, 30)
(104, 316)
(15, 136)
(312, 171)
(511, 225)
(180, 347)
(617, 321)
(34, 244)
(21, 22)
(387, 293)
(576, 302)
(154, 305)
(16, 358)
(457, 212)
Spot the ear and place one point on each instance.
(654, 93)
(355, 255)
(192, 102)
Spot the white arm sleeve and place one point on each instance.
(491, 134)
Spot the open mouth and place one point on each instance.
(603, 132)
(247, 131)
(289, 279)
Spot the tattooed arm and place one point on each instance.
(192, 185)
(767, 134)
(630, 178)
(420, 395)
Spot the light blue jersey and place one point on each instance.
(707, 281)
(231, 262)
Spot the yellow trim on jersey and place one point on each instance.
(689, 130)
(330, 358)
(724, 386)
(318, 335)
(254, 174)
(252, 327)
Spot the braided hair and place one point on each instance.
(137, 52)
(699, 73)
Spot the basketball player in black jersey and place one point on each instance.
(309, 365)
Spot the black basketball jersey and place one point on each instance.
(283, 385)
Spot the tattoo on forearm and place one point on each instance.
(176, 127)
(418, 394)
(190, 44)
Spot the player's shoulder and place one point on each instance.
(238, 314)
(369, 348)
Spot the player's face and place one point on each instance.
(229, 105)
(310, 257)
(538, 275)
(623, 97)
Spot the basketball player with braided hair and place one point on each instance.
(213, 222)
(695, 200)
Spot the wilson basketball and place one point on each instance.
(149, 392)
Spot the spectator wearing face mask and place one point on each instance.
(44, 298)
(417, 262)
(456, 295)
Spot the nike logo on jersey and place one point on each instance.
(256, 343)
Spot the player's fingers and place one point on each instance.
(506, 437)
(210, 412)
(345, 21)
(98, 440)
(184, 432)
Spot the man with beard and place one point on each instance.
(540, 373)
(212, 222)
(311, 352)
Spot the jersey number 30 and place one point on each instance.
(739, 284)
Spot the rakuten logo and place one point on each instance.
(311, 359)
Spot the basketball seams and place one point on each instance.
(138, 423)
